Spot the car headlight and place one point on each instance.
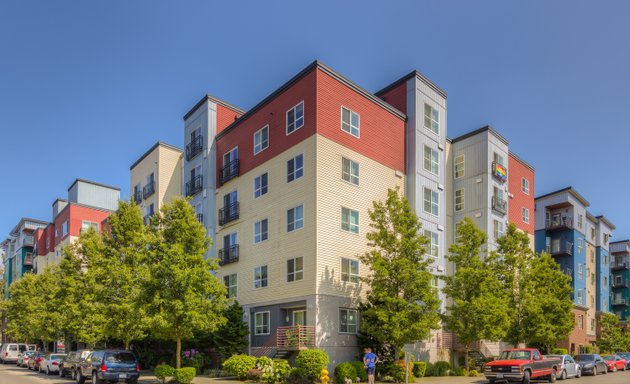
(516, 369)
(487, 369)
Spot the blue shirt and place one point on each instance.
(371, 359)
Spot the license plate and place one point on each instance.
(122, 376)
(499, 375)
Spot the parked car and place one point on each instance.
(9, 352)
(69, 364)
(522, 364)
(591, 364)
(568, 366)
(33, 362)
(23, 358)
(626, 356)
(50, 363)
(110, 366)
(614, 363)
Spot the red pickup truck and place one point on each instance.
(521, 365)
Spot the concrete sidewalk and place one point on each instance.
(149, 379)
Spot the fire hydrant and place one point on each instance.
(323, 377)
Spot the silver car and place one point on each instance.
(50, 363)
(568, 368)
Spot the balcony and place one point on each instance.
(296, 337)
(229, 171)
(565, 248)
(194, 186)
(228, 255)
(567, 271)
(619, 266)
(623, 283)
(28, 260)
(28, 241)
(137, 196)
(148, 190)
(620, 303)
(499, 171)
(559, 224)
(194, 148)
(499, 205)
(229, 213)
(200, 217)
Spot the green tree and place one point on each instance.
(401, 305)
(611, 338)
(231, 338)
(183, 295)
(478, 301)
(23, 312)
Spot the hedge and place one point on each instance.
(185, 375)
(359, 366)
(310, 362)
(239, 365)
(345, 371)
(163, 371)
(419, 369)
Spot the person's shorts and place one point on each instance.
(370, 370)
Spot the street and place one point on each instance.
(11, 374)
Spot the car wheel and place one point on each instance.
(79, 378)
(525, 377)
(95, 379)
(563, 375)
(73, 374)
(624, 368)
(552, 377)
(594, 371)
(578, 374)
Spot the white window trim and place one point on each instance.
(424, 153)
(522, 189)
(349, 230)
(350, 175)
(254, 231)
(350, 274)
(293, 159)
(295, 271)
(431, 118)
(254, 138)
(350, 123)
(227, 287)
(303, 218)
(432, 202)
(429, 235)
(462, 198)
(286, 121)
(463, 167)
(523, 216)
(254, 277)
(357, 322)
(268, 323)
(222, 158)
(254, 185)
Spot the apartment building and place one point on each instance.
(579, 242)
(619, 278)
(87, 206)
(521, 204)
(156, 177)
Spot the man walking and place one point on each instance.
(369, 360)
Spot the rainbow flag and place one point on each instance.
(500, 171)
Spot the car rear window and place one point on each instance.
(121, 357)
(585, 357)
(12, 347)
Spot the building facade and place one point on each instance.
(521, 204)
(619, 278)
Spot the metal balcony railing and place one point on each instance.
(499, 205)
(229, 171)
(194, 148)
(229, 213)
(200, 217)
(623, 283)
(619, 266)
(564, 248)
(28, 241)
(558, 224)
(28, 260)
(194, 186)
(148, 190)
(619, 302)
(137, 196)
(228, 255)
(499, 171)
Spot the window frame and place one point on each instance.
(462, 197)
(261, 280)
(463, 166)
(295, 118)
(351, 176)
(431, 202)
(525, 185)
(356, 324)
(261, 190)
(262, 233)
(431, 118)
(349, 124)
(295, 271)
(268, 325)
(350, 226)
(228, 287)
(525, 215)
(301, 220)
(350, 277)
(295, 170)
(261, 145)
(430, 235)
(431, 161)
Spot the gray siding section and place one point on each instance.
(94, 195)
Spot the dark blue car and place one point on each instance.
(109, 366)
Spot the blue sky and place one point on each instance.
(86, 87)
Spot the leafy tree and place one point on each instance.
(401, 305)
(231, 338)
(478, 302)
(611, 339)
(23, 312)
(182, 294)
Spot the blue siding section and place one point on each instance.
(603, 280)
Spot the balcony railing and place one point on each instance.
(148, 190)
(295, 337)
(229, 213)
(28, 241)
(194, 186)
(194, 148)
(619, 266)
(564, 248)
(137, 196)
(499, 171)
(28, 260)
(229, 171)
(200, 217)
(567, 271)
(228, 255)
(619, 303)
(499, 205)
(558, 224)
(623, 283)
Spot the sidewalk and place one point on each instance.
(149, 379)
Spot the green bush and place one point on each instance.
(559, 351)
(163, 371)
(397, 372)
(185, 375)
(281, 370)
(239, 365)
(588, 349)
(460, 371)
(473, 373)
(345, 371)
(429, 371)
(310, 362)
(264, 365)
(419, 369)
(361, 372)
(441, 368)
(298, 376)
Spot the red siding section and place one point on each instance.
(48, 232)
(225, 117)
(382, 133)
(76, 214)
(517, 171)
(397, 97)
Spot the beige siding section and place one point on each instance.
(280, 245)
(333, 193)
(169, 175)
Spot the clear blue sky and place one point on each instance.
(86, 87)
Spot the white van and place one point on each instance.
(10, 351)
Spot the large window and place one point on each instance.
(349, 220)
(350, 270)
(295, 118)
(498, 229)
(434, 243)
(64, 228)
(260, 231)
(460, 166)
(525, 215)
(348, 320)
(431, 119)
(261, 323)
(350, 122)
(459, 200)
(431, 202)
(85, 225)
(350, 171)
(295, 269)
(260, 185)
(525, 186)
(580, 297)
(295, 218)
(260, 277)
(261, 140)
(295, 168)
(231, 283)
(431, 160)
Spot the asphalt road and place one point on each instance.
(11, 374)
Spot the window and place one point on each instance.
(260, 277)
(350, 270)
(431, 202)
(498, 229)
(295, 168)
(580, 245)
(295, 218)
(606, 236)
(64, 228)
(580, 322)
(260, 231)
(435, 281)
(593, 234)
(525, 215)
(434, 243)
(580, 297)
(260, 185)
(592, 301)
(350, 171)
(295, 269)
(593, 278)
(498, 159)
(592, 324)
(261, 139)
(295, 118)
(431, 160)
(348, 320)
(230, 283)
(580, 220)
(85, 225)
(199, 213)
(349, 220)
(592, 256)
(459, 200)
(605, 260)
(605, 281)
(150, 210)
(457, 234)
(459, 166)
(431, 119)
(350, 122)
(580, 271)
(525, 186)
(261, 323)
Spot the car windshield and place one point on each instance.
(585, 357)
(609, 358)
(515, 355)
(121, 357)
(623, 355)
(57, 357)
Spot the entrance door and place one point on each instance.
(299, 317)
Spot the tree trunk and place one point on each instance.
(178, 352)
(466, 362)
(127, 342)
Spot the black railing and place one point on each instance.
(228, 213)
(565, 248)
(194, 148)
(623, 283)
(499, 205)
(620, 303)
(200, 217)
(137, 196)
(194, 186)
(148, 190)
(229, 171)
(559, 224)
(228, 255)
(620, 266)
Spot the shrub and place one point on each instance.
(185, 375)
(473, 373)
(310, 362)
(239, 365)
(429, 371)
(419, 369)
(588, 349)
(460, 371)
(163, 371)
(298, 376)
(345, 371)
(281, 370)
(559, 351)
(361, 372)
(397, 372)
(441, 368)
(216, 372)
